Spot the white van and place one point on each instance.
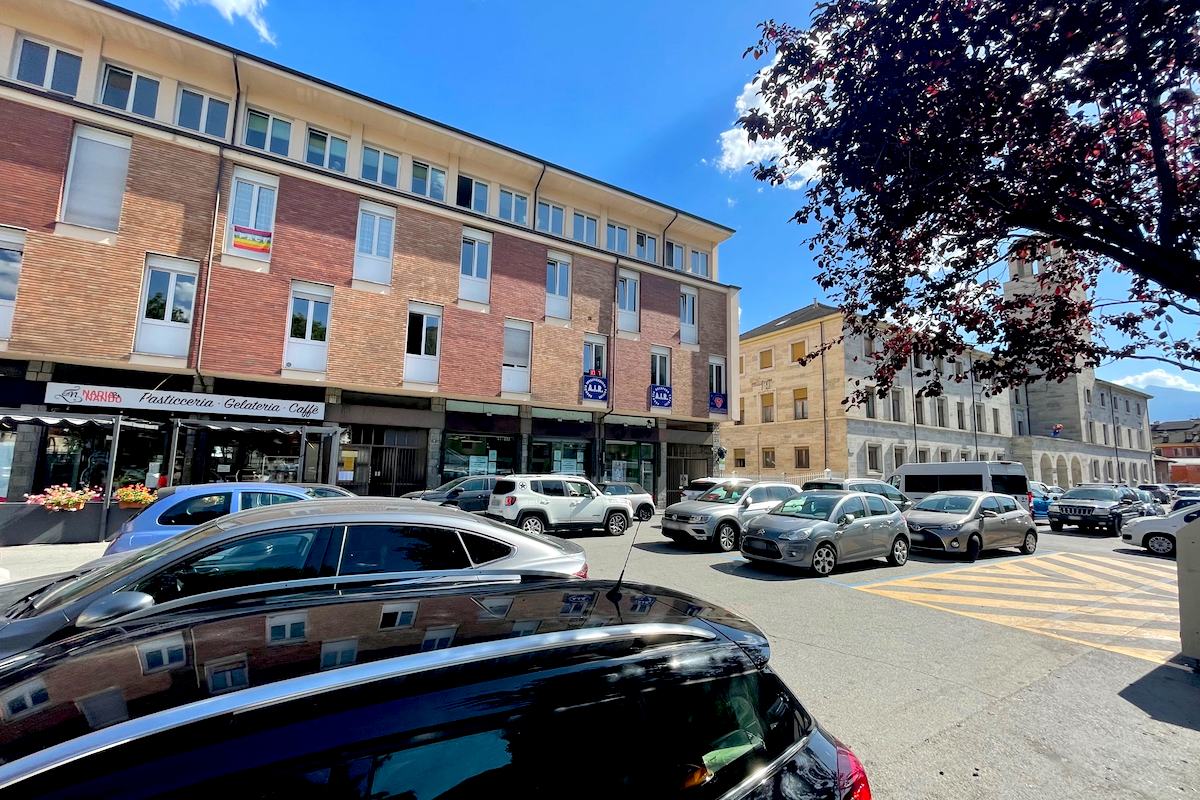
(1003, 477)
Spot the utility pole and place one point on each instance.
(974, 415)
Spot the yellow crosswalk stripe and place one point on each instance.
(1144, 600)
(1017, 583)
(1133, 579)
(1085, 577)
(1165, 571)
(1108, 628)
(993, 602)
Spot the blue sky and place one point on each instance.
(633, 93)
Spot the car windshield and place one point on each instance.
(1090, 494)
(946, 503)
(1186, 492)
(448, 485)
(808, 506)
(724, 493)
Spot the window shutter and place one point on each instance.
(97, 183)
(516, 347)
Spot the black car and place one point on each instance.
(543, 687)
(1104, 508)
(469, 493)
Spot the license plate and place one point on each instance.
(1075, 519)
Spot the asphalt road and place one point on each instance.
(1045, 676)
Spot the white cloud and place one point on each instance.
(250, 10)
(731, 202)
(1159, 377)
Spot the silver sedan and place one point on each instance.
(820, 529)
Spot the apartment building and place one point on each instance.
(1176, 451)
(214, 267)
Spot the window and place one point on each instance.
(475, 266)
(584, 229)
(800, 404)
(980, 417)
(941, 412)
(874, 458)
(550, 218)
(768, 458)
(397, 615)
(429, 181)
(49, 67)
(1104, 430)
(1016, 396)
(326, 150)
(1129, 438)
(437, 639)
(558, 286)
(871, 411)
(1102, 398)
(165, 325)
(514, 207)
(96, 179)
(674, 256)
(940, 363)
(24, 698)
(200, 112)
(898, 455)
(995, 422)
(983, 456)
(340, 653)
(518, 340)
(262, 499)
(944, 456)
(962, 416)
(923, 455)
(1127, 405)
(897, 405)
(660, 366)
(688, 331)
(163, 653)
(617, 239)
(400, 548)
(647, 247)
(1138, 408)
(700, 263)
(373, 253)
(802, 458)
(741, 365)
(195, 510)
(799, 351)
(716, 375)
(766, 358)
(964, 455)
(308, 330)
(379, 166)
(918, 361)
(129, 91)
(739, 457)
(627, 301)
(421, 360)
(471, 194)
(1141, 434)
(768, 407)
(251, 215)
(919, 410)
(741, 420)
(594, 361)
(268, 132)
(525, 628)
(287, 628)
(1020, 427)
(876, 506)
(1087, 395)
(227, 675)
(11, 247)
(868, 346)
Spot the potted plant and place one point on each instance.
(135, 495)
(63, 498)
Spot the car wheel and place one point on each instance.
(645, 513)
(898, 557)
(974, 548)
(1115, 527)
(1055, 526)
(1029, 546)
(824, 560)
(1160, 544)
(532, 524)
(726, 539)
(616, 524)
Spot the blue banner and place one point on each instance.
(660, 396)
(595, 388)
(717, 402)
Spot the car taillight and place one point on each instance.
(582, 573)
(852, 778)
(510, 501)
(1031, 501)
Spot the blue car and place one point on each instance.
(1043, 495)
(181, 508)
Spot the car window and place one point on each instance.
(550, 488)
(635, 488)
(1089, 494)
(1010, 484)
(472, 485)
(724, 493)
(810, 485)
(891, 493)
(1008, 504)
(260, 499)
(195, 510)
(853, 505)
(807, 505)
(946, 503)
(400, 548)
(578, 489)
(323, 491)
(1191, 516)
(266, 558)
(482, 549)
(875, 504)
(989, 504)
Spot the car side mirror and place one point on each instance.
(986, 513)
(1126, 501)
(746, 503)
(111, 607)
(846, 519)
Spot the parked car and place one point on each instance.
(1041, 499)
(1056, 490)
(470, 492)
(1095, 508)
(274, 549)
(1187, 493)
(1184, 502)
(1159, 534)
(970, 522)
(921, 479)
(430, 690)
(180, 508)
(641, 500)
(818, 530)
(720, 515)
(1162, 493)
(1053, 491)
(1150, 505)
(540, 503)
(699, 486)
(325, 490)
(882, 488)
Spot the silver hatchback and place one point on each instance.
(970, 522)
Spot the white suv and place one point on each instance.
(539, 503)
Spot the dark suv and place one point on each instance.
(1095, 507)
(541, 686)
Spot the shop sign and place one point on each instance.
(119, 397)
(595, 387)
(660, 396)
(717, 402)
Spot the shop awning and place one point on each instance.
(74, 419)
(264, 427)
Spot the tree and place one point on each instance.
(951, 134)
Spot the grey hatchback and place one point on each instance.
(970, 522)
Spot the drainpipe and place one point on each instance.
(912, 386)
(974, 419)
(664, 243)
(535, 198)
(824, 399)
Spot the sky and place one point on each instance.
(641, 95)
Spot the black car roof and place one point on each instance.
(165, 664)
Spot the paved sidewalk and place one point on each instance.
(32, 560)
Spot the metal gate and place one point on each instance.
(396, 470)
(690, 460)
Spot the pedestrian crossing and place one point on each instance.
(1101, 601)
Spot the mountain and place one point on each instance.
(1172, 404)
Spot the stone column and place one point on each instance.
(433, 459)
(660, 466)
(525, 417)
(27, 452)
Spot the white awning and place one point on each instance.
(75, 419)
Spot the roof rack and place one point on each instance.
(271, 694)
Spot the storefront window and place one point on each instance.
(630, 461)
(8, 443)
(561, 456)
(76, 456)
(247, 455)
(479, 454)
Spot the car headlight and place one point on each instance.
(1055, 507)
(1100, 512)
(697, 518)
(794, 536)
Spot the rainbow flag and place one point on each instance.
(251, 239)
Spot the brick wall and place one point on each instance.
(34, 147)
